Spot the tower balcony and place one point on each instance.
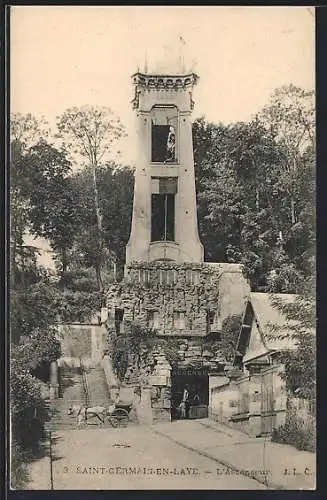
(164, 250)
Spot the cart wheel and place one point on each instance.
(119, 418)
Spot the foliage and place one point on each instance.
(132, 342)
(84, 215)
(290, 114)
(42, 305)
(28, 409)
(18, 467)
(74, 306)
(42, 200)
(136, 341)
(170, 348)
(229, 337)
(256, 191)
(297, 432)
(31, 308)
(290, 117)
(115, 195)
(40, 346)
(300, 363)
(27, 130)
(78, 278)
(90, 132)
(116, 198)
(300, 367)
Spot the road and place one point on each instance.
(135, 458)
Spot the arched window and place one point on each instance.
(164, 122)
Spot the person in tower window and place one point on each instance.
(171, 141)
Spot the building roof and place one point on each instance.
(273, 324)
(262, 318)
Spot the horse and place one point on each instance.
(81, 413)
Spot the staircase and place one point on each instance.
(86, 388)
(97, 387)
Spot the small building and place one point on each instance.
(255, 397)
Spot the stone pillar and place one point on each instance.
(54, 381)
(144, 410)
(255, 397)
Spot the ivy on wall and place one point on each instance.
(135, 349)
(134, 353)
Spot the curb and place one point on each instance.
(266, 483)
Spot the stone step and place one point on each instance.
(72, 393)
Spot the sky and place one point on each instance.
(70, 56)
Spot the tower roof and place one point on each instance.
(169, 59)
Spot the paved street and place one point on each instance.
(136, 458)
(197, 454)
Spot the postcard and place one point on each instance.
(162, 248)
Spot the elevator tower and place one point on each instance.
(164, 220)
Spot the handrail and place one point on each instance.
(84, 385)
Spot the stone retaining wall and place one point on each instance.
(173, 299)
(87, 341)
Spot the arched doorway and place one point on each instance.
(196, 383)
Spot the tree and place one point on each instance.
(300, 363)
(25, 132)
(116, 200)
(238, 212)
(116, 194)
(290, 117)
(218, 192)
(90, 132)
(246, 187)
(53, 212)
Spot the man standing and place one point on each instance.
(184, 406)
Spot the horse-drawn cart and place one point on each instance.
(119, 415)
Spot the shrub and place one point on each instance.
(297, 432)
(18, 467)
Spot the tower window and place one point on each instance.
(163, 217)
(163, 143)
(163, 208)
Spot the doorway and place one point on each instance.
(197, 401)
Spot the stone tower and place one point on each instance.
(164, 221)
(167, 289)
